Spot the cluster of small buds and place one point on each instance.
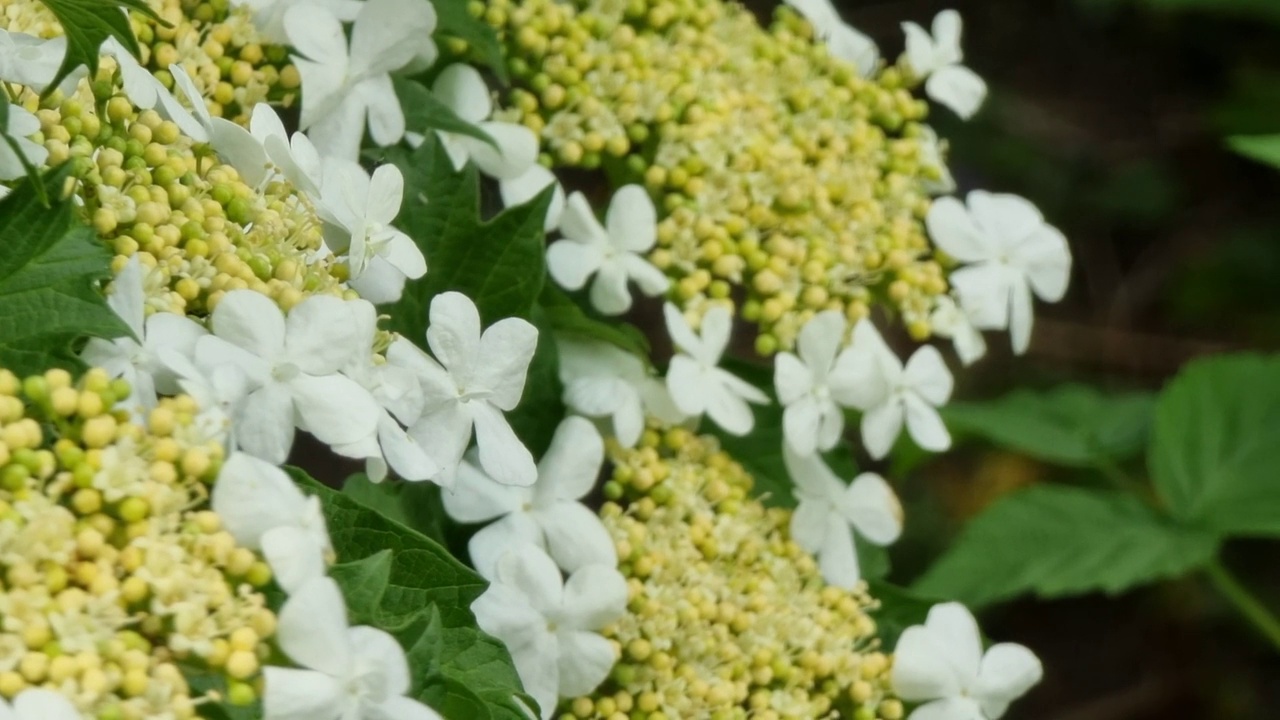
(727, 617)
(777, 168)
(216, 42)
(115, 580)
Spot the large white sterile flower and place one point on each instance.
(461, 88)
(829, 512)
(346, 673)
(842, 40)
(268, 15)
(293, 369)
(950, 319)
(235, 145)
(342, 86)
(472, 380)
(295, 156)
(264, 510)
(890, 394)
(937, 57)
(550, 626)
(1010, 252)
(137, 359)
(941, 664)
(613, 255)
(360, 210)
(813, 386)
(38, 704)
(21, 125)
(548, 514)
(604, 381)
(697, 385)
(33, 61)
(526, 186)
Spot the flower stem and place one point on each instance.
(1244, 601)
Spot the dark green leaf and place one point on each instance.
(1069, 425)
(899, 609)
(457, 20)
(568, 318)
(202, 681)
(1215, 449)
(1057, 541)
(383, 498)
(1263, 148)
(400, 580)
(424, 112)
(540, 411)
(461, 680)
(89, 23)
(49, 265)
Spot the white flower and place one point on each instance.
(951, 320)
(295, 156)
(146, 92)
(842, 40)
(471, 381)
(1010, 252)
(341, 88)
(526, 186)
(547, 514)
(380, 257)
(137, 359)
(814, 386)
(941, 663)
(938, 57)
(21, 125)
(234, 144)
(292, 365)
(614, 255)
(268, 15)
(889, 394)
(347, 673)
(264, 510)
(549, 626)
(603, 380)
(32, 61)
(38, 704)
(699, 387)
(218, 393)
(829, 511)
(461, 88)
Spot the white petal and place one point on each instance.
(502, 455)
(405, 455)
(579, 223)
(1009, 219)
(597, 396)
(252, 497)
(947, 27)
(984, 291)
(874, 510)
(504, 612)
(252, 321)
(570, 263)
(954, 708)
(921, 54)
(631, 220)
(461, 88)
(585, 661)
(1021, 316)
(959, 88)
(41, 704)
(386, 190)
(291, 694)
(1007, 672)
(852, 46)
(264, 423)
(881, 426)
(791, 377)
(838, 557)
(958, 636)
(454, 332)
(717, 325)
(927, 374)
(727, 408)
(405, 255)
(127, 296)
(925, 425)
(476, 497)
(609, 294)
(921, 670)
(517, 150)
(575, 536)
(444, 433)
(570, 467)
(809, 523)
(594, 596)
(1046, 261)
(682, 336)
(687, 385)
(403, 708)
(381, 282)
(315, 32)
(312, 628)
(505, 351)
(628, 420)
(318, 334)
(334, 408)
(378, 654)
(820, 339)
(531, 571)
(800, 422)
(525, 186)
(830, 426)
(386, 117)
(387, 34)
(649, 278)
(954, 231)
(293, 555)
(498, 538)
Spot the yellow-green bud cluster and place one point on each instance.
(777, 168)
(111, 576)
(727, 617)
(214, 41)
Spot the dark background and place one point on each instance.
(1111, 116)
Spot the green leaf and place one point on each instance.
(899, 609)
(49, 265)
(398, 579)
(89, 23)
(456, 20)
(498, 263)
(424, 112)
(1057, 541)
(541, 409)
(1070, 425)
(1215, 448)
(383, 498)
(568, 318)
(1263, 148)
(455, 693)
(203, 681)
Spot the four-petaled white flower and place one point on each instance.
(235, 145)
(937, 57)
(293, 369)
(950, 319)
(21, 125)
(829, 511)
(697, 385)
(341, 85)
(264, 510)
(38, 704)
(526, 186)
(889, 394)
(612, 255)
(843, 40)
(941, 664)
(1010, 252)
(470, 382)
(268, 15)
(548, 514)
(137, 359)
(604, 381)
(295, 156)
(461, 88)
(549, 625)
(814, 386)
(346, 673)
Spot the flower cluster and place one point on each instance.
(117, 582)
